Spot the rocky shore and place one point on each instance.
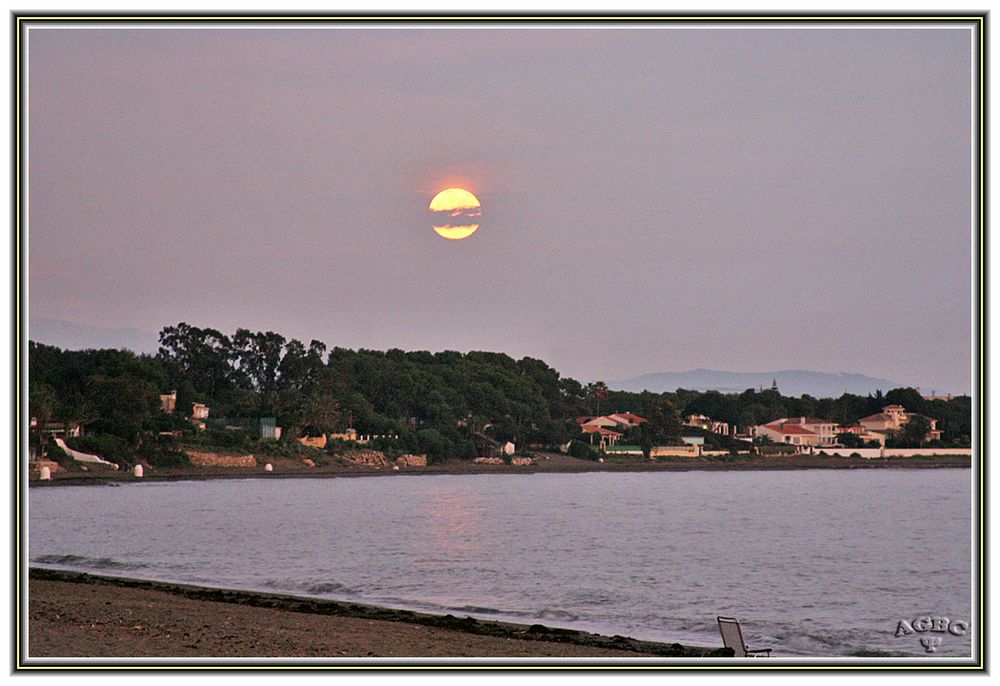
(71, 614)
(291, 468)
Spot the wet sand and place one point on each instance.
(555, 464)
(79, 615)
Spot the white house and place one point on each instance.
(891, 419)
(800, 431)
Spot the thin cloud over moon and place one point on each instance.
(455, 213)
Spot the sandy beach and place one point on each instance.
(79, 615)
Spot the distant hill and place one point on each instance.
(70, 336)
(793, 382)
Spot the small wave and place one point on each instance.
(81, 561)
(328, 587)
(477, 609)
(310, 587)
(547, 613)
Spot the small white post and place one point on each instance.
(137, 471)
(268, 467)
(45, 474)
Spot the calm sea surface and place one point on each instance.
(823, 562)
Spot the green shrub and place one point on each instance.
(163, 451)
(289, 448)
(339, 445)
(163, 456)
(225, 439)
(431, 443)
(58, 455)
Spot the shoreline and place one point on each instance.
(77, 614)
(285, 468)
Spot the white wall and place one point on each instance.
(867, 453)
(870, 453)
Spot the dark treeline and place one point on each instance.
(435, 402)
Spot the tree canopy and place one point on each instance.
(435, 402)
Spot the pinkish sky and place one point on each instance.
(653, 199)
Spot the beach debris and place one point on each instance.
(366, 458)
(521, 461)
(601, 460)
(395, 467)
(45, 474)
(268, 467)
(412, 460)
(488, 460)
(137, 471)
(308, 462)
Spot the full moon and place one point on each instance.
(455, 213)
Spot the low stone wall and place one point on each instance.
(220, 460)
(412, 460)
(366, 458)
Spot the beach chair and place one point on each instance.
(732, 637)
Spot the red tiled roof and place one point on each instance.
(599, 430)
(879, 417)
(789, 429)
(632, 417)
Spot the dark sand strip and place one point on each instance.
(557, 464)
(81, 615)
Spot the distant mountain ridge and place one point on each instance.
(72, 336)
(793, 382)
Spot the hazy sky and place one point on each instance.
(653, 199)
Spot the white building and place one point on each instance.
(800, 431)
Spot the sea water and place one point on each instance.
(812, 562)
